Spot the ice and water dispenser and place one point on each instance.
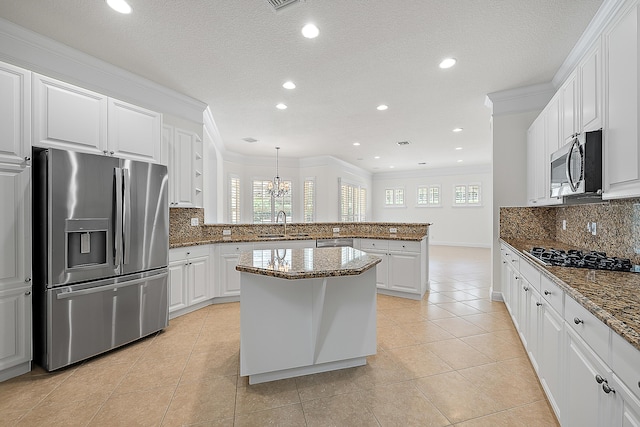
(86, 242)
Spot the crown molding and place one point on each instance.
(35, 52)
(520, 100)
(451, 171)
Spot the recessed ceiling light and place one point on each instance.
(310, 31)
(391, 167)
(120, 6)
(457, 130)
(459, 161)
(376, 157)
(281, 106)
(458, 148)
(289, 85)
(356, 144)
(382, 107)
(448, 63)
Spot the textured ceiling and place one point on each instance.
(235, 54)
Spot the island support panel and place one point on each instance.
(290, 328)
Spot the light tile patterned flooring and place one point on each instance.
(453, 358)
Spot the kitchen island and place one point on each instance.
(304, 311)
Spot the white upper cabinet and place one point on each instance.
(621, 154)
(552, 126)
(568, 95)
(15, 114)
(590, 70)
(72, 118)
(185, 167)
(68, 117)
(542, 140)
(134, 132)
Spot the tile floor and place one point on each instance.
(453, 358)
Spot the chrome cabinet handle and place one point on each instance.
(504, 262)
(27, 280)
(607, 389)
(526, 289)
(577, 321)
(547, 293)
(27, 293)
(538, 304)
(600, 380)
(27, 158)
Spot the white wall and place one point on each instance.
(452, 225)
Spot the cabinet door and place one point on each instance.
(199, 280)
(504, 281)
(134, 132)
(15, 339)
(68, 117)
(569, 111)
(534, 316)
(229, 276)
(185, 166)
(621, 154)
(585, 402)
(552, 126)
(15, 226)
(514, 295)
(178, 279)
(15, 120)
(591, 90)
(532, 158)
(404, 272)
(626, 412)
(523, 310)
(550, 351)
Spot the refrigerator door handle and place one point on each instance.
(117, 232)
(70, 294)
(126, 215)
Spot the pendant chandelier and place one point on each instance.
(277, 188)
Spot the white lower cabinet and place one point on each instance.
(229, 277)
(404, 270)
(586, 404)
(549, 355)
(15, 340)
(190, 280)
(626, 408)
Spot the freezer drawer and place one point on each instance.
(89, 319)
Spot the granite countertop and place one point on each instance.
(251, 238)
(306, 263)
(612, 296)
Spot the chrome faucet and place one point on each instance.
(284, 214)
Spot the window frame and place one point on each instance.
(274, 208)
(359, 201)
(395, 192)
(312, 180)
(466, 202)
(234, 202)
(429, 203)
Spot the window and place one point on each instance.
(265, 207)
(428, 195)
(309, 200)
(394, 197)
(467, 195)
(353, 202)
(234, 199)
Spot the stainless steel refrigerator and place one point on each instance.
(100, 254)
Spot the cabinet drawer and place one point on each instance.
(234, 248)
(589, 327)
(177, 254)
(404, 246)
(381, 245)
(552, 294)
(625, 362)
(530, 273)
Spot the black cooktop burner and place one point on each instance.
(588, 259)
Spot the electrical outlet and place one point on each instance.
(564, 224)
(593, 228)
(194, 222)
(336, 229)
(393, 230)
(226, 232)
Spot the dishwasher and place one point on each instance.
(334, 243)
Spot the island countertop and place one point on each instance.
(306, 263)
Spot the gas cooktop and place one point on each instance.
(580, 259)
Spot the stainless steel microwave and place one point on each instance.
(576, 168)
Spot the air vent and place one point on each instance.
(403, 143)
(249, 139)
(278, 5)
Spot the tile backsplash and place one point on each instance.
(617, 226)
